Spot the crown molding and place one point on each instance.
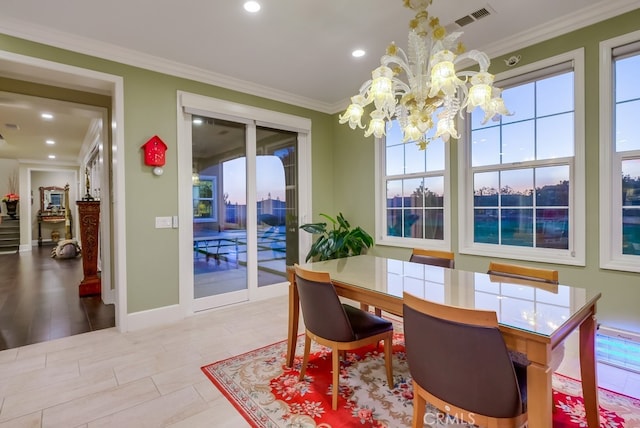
(83, 45)
(51, 37)
(562, 25)
(557, 27)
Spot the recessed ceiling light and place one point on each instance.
(52, 156)
(358, 53)
(252, 6)
(50, 142)
(197, 121)
(46, 116)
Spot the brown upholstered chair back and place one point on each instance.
(463, 364)
(433, 257)
(322, 310)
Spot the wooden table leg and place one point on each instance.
(588, 371)
(539, 396)
(294, 316)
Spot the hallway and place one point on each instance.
(39, 299)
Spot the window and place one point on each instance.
(521, 175)
(204, 200)
(413, 184)
(620, 153)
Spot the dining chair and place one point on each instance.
(523, 272)
(336, 325)
(547, 276)
(460, 364)
(426, 257)
(433, 257)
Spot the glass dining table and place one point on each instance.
(534, 317)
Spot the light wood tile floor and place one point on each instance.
(152, 378)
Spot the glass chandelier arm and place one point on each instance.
(479, 57)
(400, 58)
(365, 88)
(400, 88)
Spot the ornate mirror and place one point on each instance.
(52, 200)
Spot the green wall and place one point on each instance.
(150, 108)
(620, 291)
(343, 171)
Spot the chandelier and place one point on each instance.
(433, 91)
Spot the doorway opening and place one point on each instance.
(49, 80)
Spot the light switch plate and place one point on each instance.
(163, 222)
(175, 222)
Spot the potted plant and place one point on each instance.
(338, 241)
(11, 199)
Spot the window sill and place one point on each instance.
(622, 264)
(563, 257)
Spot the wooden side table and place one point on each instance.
(89, 221)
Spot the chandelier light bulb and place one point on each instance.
(411, 133)
(382, 89)
(354, 113)
(376, 125)
(422, 88)
(479, 95)
(496, 107)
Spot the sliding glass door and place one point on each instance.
(219, 209)
(244, 209)
(276, 204)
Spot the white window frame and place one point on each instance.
(381, 236)
(575, 255)
(611, 256)
(213, 199)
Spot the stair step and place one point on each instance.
(9, 235)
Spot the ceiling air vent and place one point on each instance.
(471, 18)
(465, 20)
(12, 126)
(481, 13)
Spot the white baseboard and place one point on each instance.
(25, 247)
(154, 317)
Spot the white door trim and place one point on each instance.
(67, 76)
(188, 104)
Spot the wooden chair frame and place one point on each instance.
(339, 348)
(523, 272)
(421, 396)
(433, 253)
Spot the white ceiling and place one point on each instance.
(296, 51)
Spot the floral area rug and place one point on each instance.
(269, 395)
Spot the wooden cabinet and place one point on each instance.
(89, 222)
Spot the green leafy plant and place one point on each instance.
(339, 241)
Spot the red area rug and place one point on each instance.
(268, 394)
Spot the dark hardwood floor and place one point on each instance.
(39, 299)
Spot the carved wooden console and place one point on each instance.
(89, 221)
(54, 210)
